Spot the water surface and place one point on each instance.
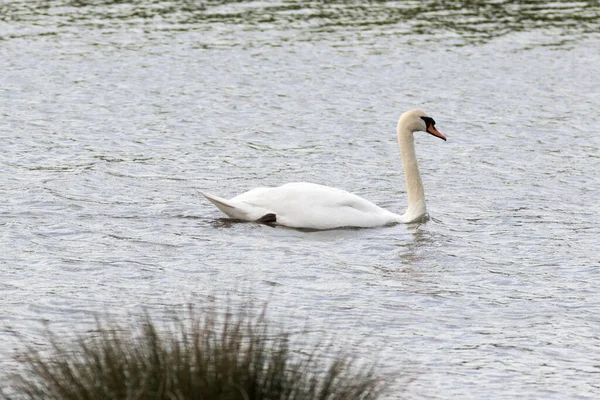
(115, 114)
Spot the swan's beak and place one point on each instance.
(431, 129)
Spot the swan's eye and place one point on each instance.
(428, 121)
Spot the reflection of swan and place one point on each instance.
(308, 205)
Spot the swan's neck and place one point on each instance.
(414, 186)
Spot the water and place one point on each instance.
(114, 115)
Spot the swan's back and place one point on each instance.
(313, 206)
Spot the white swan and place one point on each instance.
(308, 205)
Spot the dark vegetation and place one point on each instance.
(209, 356)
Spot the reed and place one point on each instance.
(208, 356)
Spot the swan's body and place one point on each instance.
(308, 205)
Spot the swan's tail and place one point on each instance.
(236, 209)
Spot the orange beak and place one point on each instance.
(431, 129)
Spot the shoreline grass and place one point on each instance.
(208, 356)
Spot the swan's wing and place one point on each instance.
(308, 205)
(330, 197)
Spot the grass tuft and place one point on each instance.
(207, 356)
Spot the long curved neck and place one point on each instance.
(414, 186)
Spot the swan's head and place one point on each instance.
(416, 120)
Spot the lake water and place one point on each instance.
(113, 115)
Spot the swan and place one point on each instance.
(313, 206)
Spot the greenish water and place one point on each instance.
(467, 20)
(113, 114)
